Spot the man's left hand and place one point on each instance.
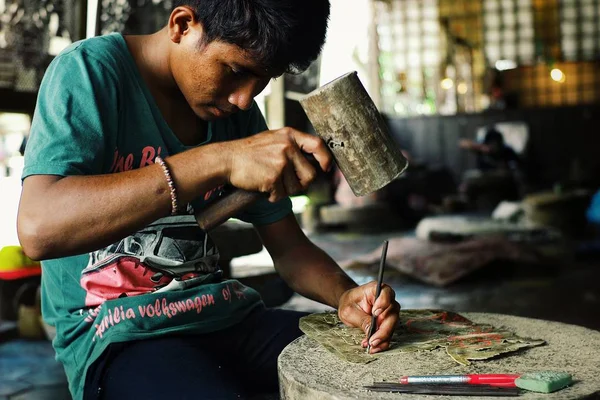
(357, 305)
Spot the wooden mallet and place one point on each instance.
(345, 117)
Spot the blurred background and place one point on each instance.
(494, 102)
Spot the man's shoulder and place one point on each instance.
(107, 51)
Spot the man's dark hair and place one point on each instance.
(492, 135)
(284, 35)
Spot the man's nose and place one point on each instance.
(243, 96)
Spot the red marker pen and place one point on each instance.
(501, 380)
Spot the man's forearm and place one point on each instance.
(314, 274)
(77, 214)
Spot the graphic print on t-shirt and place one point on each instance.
(173, 253)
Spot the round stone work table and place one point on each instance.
(308, 371)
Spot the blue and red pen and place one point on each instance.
(499, 380)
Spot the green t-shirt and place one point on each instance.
(95, 115)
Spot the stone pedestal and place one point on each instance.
(308, 371)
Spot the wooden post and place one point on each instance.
(276, 104)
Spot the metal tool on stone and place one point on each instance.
(447, 390)
(345, 117)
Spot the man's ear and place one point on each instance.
(182, 22)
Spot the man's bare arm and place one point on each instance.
(311, 272)
(305, 267)
(62, 216)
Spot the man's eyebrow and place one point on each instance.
(252, 71)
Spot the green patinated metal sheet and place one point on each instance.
(417, 330)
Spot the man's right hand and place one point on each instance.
(275, 162)
(114, 205)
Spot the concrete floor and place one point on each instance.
(28, 371)
(568, 293)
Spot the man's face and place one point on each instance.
(217, 79)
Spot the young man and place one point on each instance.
(132, 133)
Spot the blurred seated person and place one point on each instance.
(497, 177)
(493, 153)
